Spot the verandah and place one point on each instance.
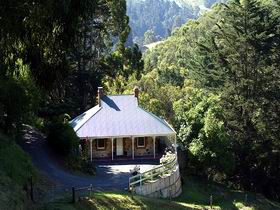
(134, 145)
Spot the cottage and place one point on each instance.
(119, 127)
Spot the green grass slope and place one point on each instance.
(196, 194)
(15, 170)
(116, 200)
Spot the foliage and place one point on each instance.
(88, 167)
(40, 34)
(216, 79)
(78, 164)
(15, 171)
(15, 163)
(199, 117)
(242, 58)
(13, 105)
(196, 194)
(98, 51)
(167, 158)
(156, 18)
(62, 138)
(59, 52)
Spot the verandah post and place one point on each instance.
(112, 148)
(154, 142)
(90, 150)
(132, 147)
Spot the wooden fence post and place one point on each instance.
(31, 189)
(169, 188)
(141, 182)
(73, 195)
(211, 201)
(90, 190)
(131, 191)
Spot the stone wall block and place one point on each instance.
(163, 187)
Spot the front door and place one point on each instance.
(119, 147)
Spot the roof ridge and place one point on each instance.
(130, 94)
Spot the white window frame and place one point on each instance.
(141, 146)
(97, 143)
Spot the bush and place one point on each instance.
(62, 138)
(77, 163)
(88, 167)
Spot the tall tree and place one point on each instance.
(64, 45)
(98, 36)
(242, 53)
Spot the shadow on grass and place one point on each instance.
(122, 200)
(197, 191)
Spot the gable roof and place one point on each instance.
(119, 116)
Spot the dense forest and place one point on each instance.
(53, 64)
(53, 56)
(216, 79)
(153, 20)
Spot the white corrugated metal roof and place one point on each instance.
(119, 115)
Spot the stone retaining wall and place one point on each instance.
(165, 187)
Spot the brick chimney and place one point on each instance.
(100, 94)
(136, 91)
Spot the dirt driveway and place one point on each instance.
(108, 177)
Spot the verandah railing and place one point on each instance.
(153, 174)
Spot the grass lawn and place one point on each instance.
(117, 200)
(195, 195)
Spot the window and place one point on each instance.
(140, 142)
(100, 143)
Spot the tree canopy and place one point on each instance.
(56, 53)
(216, 79)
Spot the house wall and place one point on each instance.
(100, 153)
(148, 149)
(127, 144)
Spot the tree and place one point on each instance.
(200, 122)
(106, 29)
(13, 105)
(231, 52)
(243, 55)
(64, 46)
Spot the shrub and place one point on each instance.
(62, 138)
(88, 167)
(77, 163)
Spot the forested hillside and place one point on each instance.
(198, 3)
(153, 20)
(53, 56)
(216, 79)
